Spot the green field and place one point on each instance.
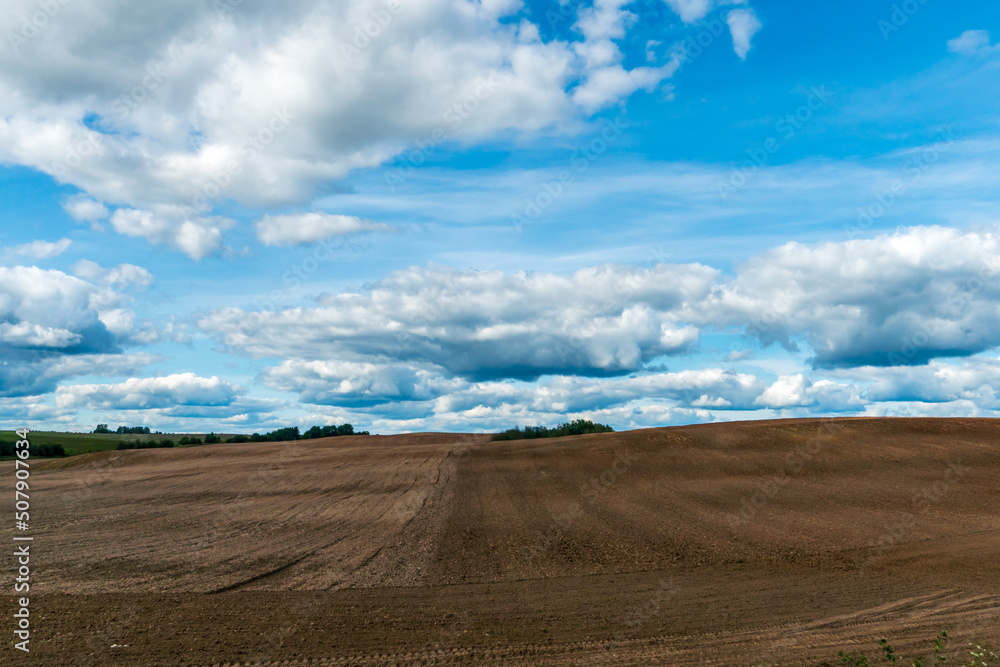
(83, 443)
(73, 443)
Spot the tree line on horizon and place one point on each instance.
(123, 430)
(578, 427)
(292, 433)
(277, 435)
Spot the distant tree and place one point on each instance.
(578, 427)
(331, 431)
(102, 428)
(239, 438)
(283, 434)
(212, 439)
(147, 444)
(132, 430)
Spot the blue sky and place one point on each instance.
(465, 215)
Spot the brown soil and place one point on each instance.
(761, 543)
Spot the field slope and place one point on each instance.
(775, 542)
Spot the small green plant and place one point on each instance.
(938, 650)
(982, 657)
(853, 660)
(939, 646)
(890, 653)
(891, 656)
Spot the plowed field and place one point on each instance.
(768, 543)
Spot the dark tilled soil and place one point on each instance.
(766, 543)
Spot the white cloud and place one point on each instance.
(47, 315)
(972, 42)
(743, 24)
(177, 226)
(799, 391)
(787, 391)
(896, 299)
(302, 228)
(385, 382)
(121, 276)
(714, 387)
(85, 209)
(975, 379)
(266, 104)
(182, 389)
(486, 324)
(28, 334)
(612, 83)
(41, 249)
(607, 81)
(691, 10)
(358, 383)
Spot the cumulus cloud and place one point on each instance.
(357, 384)
(48, 315)
(176, 226)
(266, 104)
(303, 228)
(604, 320)
(84, 209)
(713, 387)
(975, 380)
(691, 10)
(972, 42)
(352, 384)
(897, 299)
(607, 81)
(41, 249)
(182, 389)
(743, 24)
(121, 276)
